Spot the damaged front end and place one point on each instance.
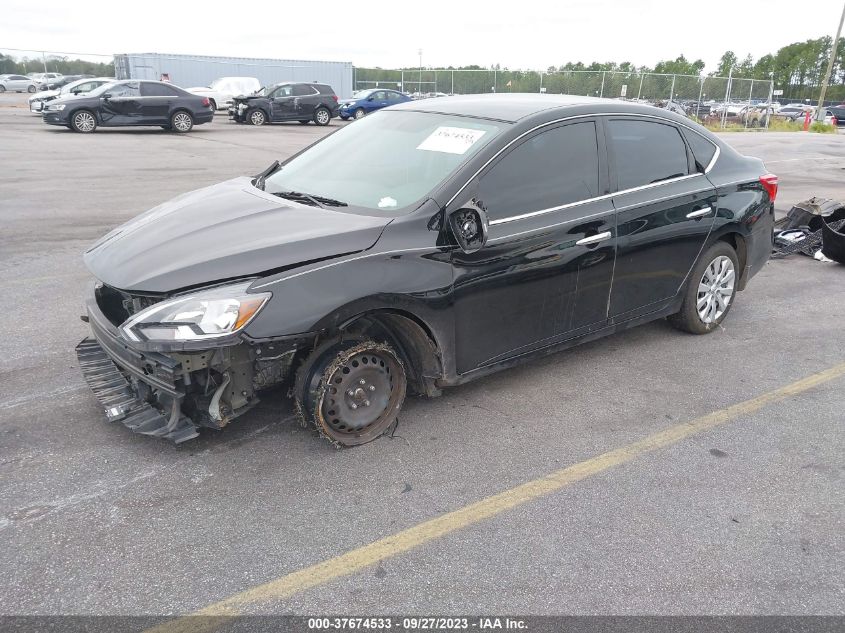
(165, 366)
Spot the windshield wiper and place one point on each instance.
(318, 201)
(258, 183)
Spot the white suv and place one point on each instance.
(222, 90)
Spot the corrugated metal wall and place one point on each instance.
(188, 71)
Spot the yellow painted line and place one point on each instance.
(358, 559)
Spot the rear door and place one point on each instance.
(665, 209)
(545, 272)
(156, 102)
(306, 98)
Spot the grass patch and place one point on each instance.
(822, 128)
(775, 125)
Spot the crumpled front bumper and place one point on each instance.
(121, 400)
(140, 389)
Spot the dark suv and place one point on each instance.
(301, 102)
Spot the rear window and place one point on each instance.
(646, 152)
(702, 149)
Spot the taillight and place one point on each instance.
(335, 98)
(205, 102)
(770, 184)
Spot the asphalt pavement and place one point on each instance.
(742, 518)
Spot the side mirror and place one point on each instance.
(469, 226)
(107, 96)
(370, 98)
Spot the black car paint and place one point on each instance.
(286, 108)
(530, 291)
(131, 111)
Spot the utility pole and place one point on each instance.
(833, 47)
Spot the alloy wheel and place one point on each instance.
(715, 290)
(84, 121)
(182, 122)
(257, 117)
(322, 116)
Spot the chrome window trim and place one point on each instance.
(588, 200)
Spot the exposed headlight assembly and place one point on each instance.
(209, 314)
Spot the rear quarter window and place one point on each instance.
(702, 149)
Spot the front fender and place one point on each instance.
(327, 295)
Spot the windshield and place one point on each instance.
(385, 161)
(361, 94)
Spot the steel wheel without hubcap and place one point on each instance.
(182, 122)
(353, 395)
(715, 290)
(84, 122)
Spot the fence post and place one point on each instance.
(672, 89)
(769, 105)
(601, 94)
(748, 106)
(453, 82)
(700, 92)
(727, 97)
(494, 79)
(640, 91)
(541, 81)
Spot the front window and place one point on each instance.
(386, 161)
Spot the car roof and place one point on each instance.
(514, 107)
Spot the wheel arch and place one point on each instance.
(413, 338)
(738, 242)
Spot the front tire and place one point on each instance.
(710, 291)
(352, 391)
(322, 116)
(359, 113)
(2, 89)
(256, 117)
(31, 89)
(181, 122)
(83, 121)
(213, 105)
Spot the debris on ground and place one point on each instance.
(815, 227)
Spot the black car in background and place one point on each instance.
(455, 237)
(130, 103)
(839, 113)
(303, 102)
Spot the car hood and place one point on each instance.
(221, 232)
(44, 94)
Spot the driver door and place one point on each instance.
(123, 105)
(545, 272)
(282, 103)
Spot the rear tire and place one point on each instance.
(83, 121)
(322, 116)
(181, 121)
(256, 117)
(351, 391)
(710, 291)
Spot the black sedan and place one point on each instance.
(451, 238)
(131, 103)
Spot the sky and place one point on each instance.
(528, 34)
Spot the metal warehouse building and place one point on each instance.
(188, 71)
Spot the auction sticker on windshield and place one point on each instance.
(452, 140)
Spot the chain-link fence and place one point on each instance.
(696, 96)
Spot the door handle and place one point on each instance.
(593, 239)
(699, 214)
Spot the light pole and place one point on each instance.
(833, 47)
(419, 86)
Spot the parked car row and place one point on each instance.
(80, 86)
